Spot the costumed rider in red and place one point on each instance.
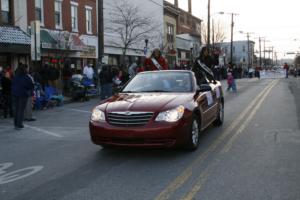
(155, 62)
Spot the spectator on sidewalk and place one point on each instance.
(29, 105)
(54, 75)
(44, 72)
(286, 67)
(106, 81)
(6, 92)
(132, 69)
(67, 75)
(88, 71)
(22, 87)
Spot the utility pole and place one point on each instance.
(231, 40)
(272, 56)
(213, 34)
(208, 26)
(259, 51)
(100, 33)
(248, 41)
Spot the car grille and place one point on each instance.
(129, 119)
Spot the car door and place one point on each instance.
(213, 106)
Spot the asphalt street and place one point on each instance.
(254, 155)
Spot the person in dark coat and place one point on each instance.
(207, 59)
(106, 81)
(44, 72)
(203, 67)
(22, 87)
(6, 92)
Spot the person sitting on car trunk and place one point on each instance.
(155, 62)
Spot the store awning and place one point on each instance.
(14, 35)
(14, 40)
(47, 41)
(62, 40)
(76, 44)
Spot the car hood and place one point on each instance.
(146, 102)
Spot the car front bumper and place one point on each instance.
(154, 134)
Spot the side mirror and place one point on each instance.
(204, 88)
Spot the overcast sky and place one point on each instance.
(277, 20)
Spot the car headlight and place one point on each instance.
(171, 115)
(98, 115)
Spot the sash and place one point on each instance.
(205, 68)
(157, 65)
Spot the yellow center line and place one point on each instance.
(185, 175)
(229, 144)
(205, 174)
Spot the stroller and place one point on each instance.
(82, 88)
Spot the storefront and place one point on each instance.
(61, 47)
(14, 47)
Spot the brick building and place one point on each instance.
(182, 33)
(68, 30)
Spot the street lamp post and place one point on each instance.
(146, 47)
(231, 40)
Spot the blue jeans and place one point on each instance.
(232, 86)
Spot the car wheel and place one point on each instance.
(220, 117)
(194, 134)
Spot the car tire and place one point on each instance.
(220, 115)
(194, 134)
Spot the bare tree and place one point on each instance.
(130, 25)
(219, 34)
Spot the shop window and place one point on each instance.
(5, 12)
(39, 11)
(170, 33)
(74, 16)
(88, 13)
(58, 14)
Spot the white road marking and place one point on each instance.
(7, 177)
(43, 131)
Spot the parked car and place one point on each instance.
(158, 109)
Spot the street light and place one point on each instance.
(146, 47)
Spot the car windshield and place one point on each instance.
(160, 82)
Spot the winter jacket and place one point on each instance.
(6, 85)
(22, 86)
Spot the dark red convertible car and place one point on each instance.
(159, 109)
